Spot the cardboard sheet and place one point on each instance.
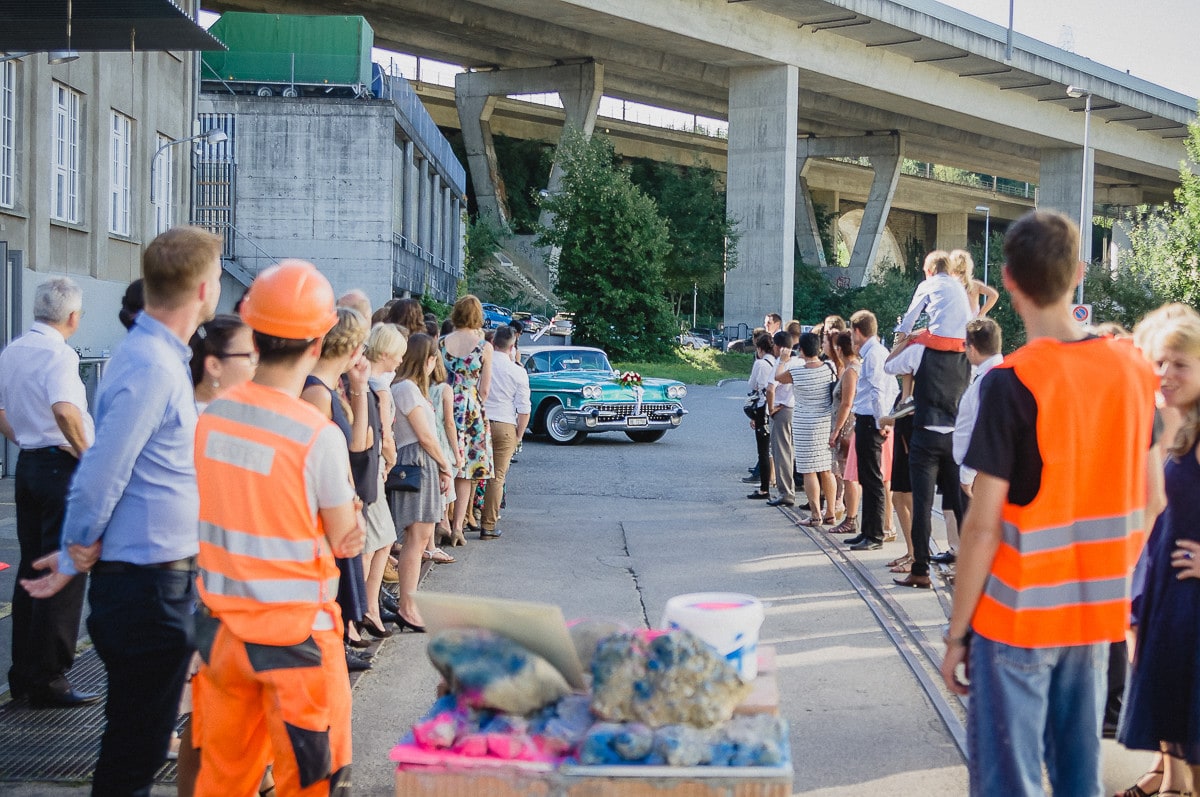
(538, 626)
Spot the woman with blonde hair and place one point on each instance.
(338, 387)
(385, 347)
(468, 360)
(1162, 706)
(417, 445)
(962, 268)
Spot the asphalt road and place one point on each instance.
(612, 529)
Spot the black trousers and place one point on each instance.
(44, 630)
(143, 628)
(930, 462)
(762, 442)
(868, 446)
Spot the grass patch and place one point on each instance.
(698, 367)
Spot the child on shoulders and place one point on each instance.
(943, 297)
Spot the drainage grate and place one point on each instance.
(59, 745)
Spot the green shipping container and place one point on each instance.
(287, 49)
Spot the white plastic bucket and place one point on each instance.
(729, 621)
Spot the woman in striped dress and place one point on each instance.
(811, 420)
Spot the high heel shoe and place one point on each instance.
(1136, 789)
(369, 626)
(356, 643)
(407, 625)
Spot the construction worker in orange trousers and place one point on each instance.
(276, 505)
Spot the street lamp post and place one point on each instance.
(214, 135)
(1084, 248)
(987, 236)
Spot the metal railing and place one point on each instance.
(416, 271)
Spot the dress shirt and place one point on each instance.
(135, 488)
(785, 392)
(508, 395)
(876, 389)
(945, 300)
(37, 371)
(968, 411)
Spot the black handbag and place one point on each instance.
(751, 406)
(403, 478)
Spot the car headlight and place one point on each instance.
(592, 391)
(676, 391)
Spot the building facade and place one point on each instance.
(367, 189)
(79, 147)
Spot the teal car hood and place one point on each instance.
(576, 380)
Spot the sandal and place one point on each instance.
(900, 560)
(828, 520)
(1136, 789)
(811, 522)
(903, 567)
(438, 557)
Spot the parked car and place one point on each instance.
(531, 321)
(495, 316)
(689, 340)
(562, 325)
(574, 392)
(715, 337)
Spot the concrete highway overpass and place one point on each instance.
(800, 80)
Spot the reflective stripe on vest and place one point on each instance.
(293, 590)
(1096, 530)
(259, 547)
(1050, 597)
(1060, 574)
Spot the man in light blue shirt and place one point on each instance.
(134, 504)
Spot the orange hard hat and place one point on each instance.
(291, 299)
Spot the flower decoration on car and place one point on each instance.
(630, 379)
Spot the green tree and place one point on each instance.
(1165, 243)
(613, 247)
(693, 203)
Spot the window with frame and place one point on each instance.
(64, 180)
(8, 133)
(120, 175)
(164, 184)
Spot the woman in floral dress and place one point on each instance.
(468, 359)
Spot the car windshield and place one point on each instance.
(544, 362)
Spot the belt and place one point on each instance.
(180, 565)
(47, 450)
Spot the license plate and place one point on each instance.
(637, 420)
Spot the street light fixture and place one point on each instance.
(1085, 253)
(214, 135)
(987, 236)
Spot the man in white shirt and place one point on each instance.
(873, 399)
(983, 352)
(43, 409)
(507, 412)
(781, 401)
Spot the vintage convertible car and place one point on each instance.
(575, 391)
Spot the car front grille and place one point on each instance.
(657, 411)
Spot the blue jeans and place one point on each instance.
(1027, 705)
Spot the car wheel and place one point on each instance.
(559, 431)
(649, 436)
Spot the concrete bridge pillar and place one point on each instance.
(1060, 180)
(579, 86)
(761, 191)
(886, 154)
(951, 231)
(808, 235)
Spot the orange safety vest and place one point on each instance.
(1061, 573)
(266, 569)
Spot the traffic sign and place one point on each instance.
(1082, 313)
